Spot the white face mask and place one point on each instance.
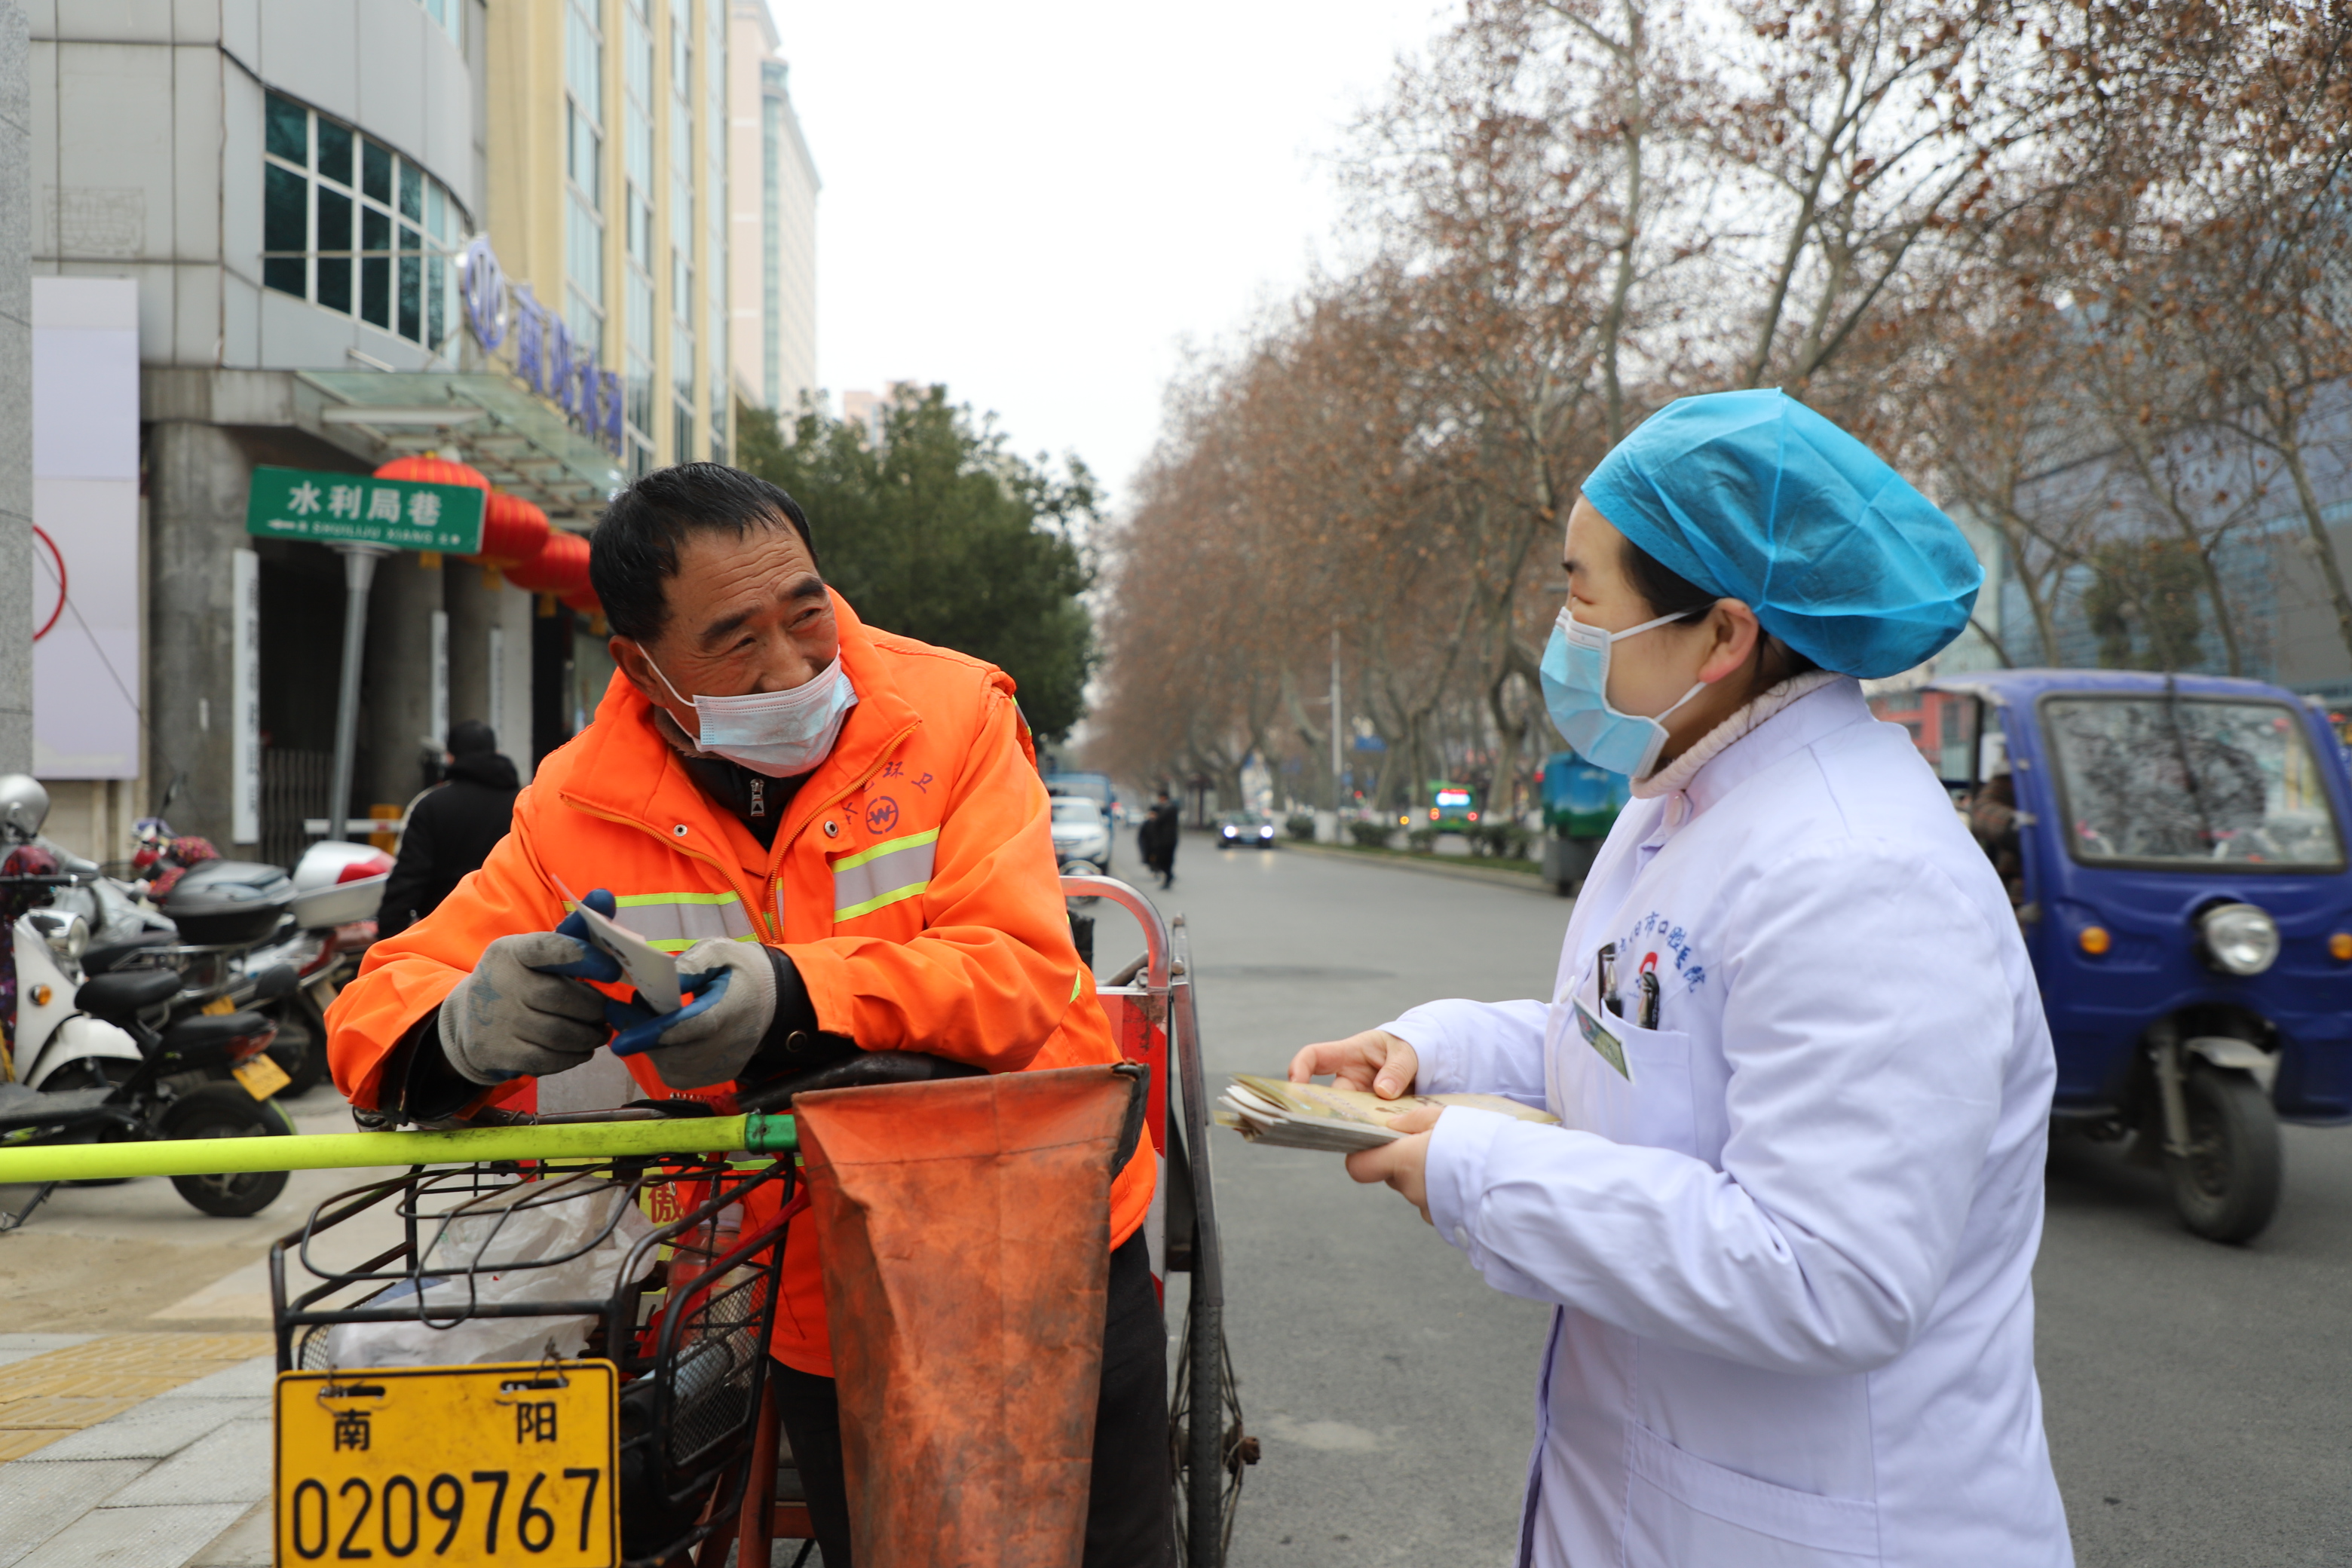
(780, 734)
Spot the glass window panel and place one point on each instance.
(334, 221)
(641, 318)
(638, 58)
(375, 170)
(411, 297)
(375, 291)
(410, 239)
(287, 129)
(681, 442)
(436, 211)
(437, 299)
(584, 248)
(375, 229)
(640, 129)
(2195, 782)
(335, 151)
(412, 192)
(284, 273)
(285, 210)
(335, 281)
(583, 65)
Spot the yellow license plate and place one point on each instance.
(261, 1077)
(218, 1007)
(449, 1465)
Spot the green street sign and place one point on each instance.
(355, 509)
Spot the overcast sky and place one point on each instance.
(1037, 202)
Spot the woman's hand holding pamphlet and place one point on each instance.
(1325, 1116)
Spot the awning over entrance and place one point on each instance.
(520, 441)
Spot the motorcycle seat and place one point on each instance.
(103, 957)
(21, 1107)
(118, 996)
(208, 1034)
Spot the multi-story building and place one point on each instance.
(360, 229)
(773, 231)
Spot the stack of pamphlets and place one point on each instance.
(1325, 1116)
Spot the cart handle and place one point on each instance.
(1147, 915)
(756, 1132)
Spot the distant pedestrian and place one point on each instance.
(452, 828)
(1156, 839)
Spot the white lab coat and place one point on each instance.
(1791, 1245)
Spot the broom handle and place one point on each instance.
(757, 1132)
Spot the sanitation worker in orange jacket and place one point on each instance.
(850, 827)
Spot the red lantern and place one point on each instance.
(433, 471)
(512, 532)
(560, 568)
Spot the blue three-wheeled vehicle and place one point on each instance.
(2175, 849)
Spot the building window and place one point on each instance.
(584, 168)
(772, 231)
(450, 15)
(640, 324)
(352, 226)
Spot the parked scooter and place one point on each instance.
(329, 926)
(106, 1057)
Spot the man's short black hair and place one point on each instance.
(633, 555)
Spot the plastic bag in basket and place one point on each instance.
(489, 1253)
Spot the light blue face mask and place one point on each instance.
(1576, 689)
(780, 734)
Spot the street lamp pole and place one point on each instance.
(359, 575)
(1336, 717)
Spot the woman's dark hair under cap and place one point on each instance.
(633, 555)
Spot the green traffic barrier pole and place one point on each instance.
(758, 1133)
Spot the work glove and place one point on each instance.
(512, 1016)
(708, 1040)
(524, 1010)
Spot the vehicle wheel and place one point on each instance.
(2226, 1188)
(93, 1072)
(300, 1049)
(225, 1111)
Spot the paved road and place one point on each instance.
(2198, 1406)
(2197, 1394)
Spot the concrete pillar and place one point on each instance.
(197, 479)
(473, 610)
(396, 682)
(515, 614)
(16, 573)
(476, 610)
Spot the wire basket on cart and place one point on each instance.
(666, 1268)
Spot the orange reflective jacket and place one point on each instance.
(913, 883)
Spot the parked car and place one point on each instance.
(1081, 836)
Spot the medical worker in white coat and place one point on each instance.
(1789, 1221)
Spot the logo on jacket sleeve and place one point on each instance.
(882, 815)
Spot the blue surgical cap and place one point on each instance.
(1753, 496)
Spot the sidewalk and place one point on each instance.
(134, 1450)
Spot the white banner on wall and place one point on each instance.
(87, 658)
(245, 735)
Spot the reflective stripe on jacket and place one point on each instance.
(912, 881)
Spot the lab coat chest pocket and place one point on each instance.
(1628, 1084)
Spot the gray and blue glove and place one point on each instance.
(524, 1010)
(732, 987)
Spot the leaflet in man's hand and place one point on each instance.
(1325, 1116)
